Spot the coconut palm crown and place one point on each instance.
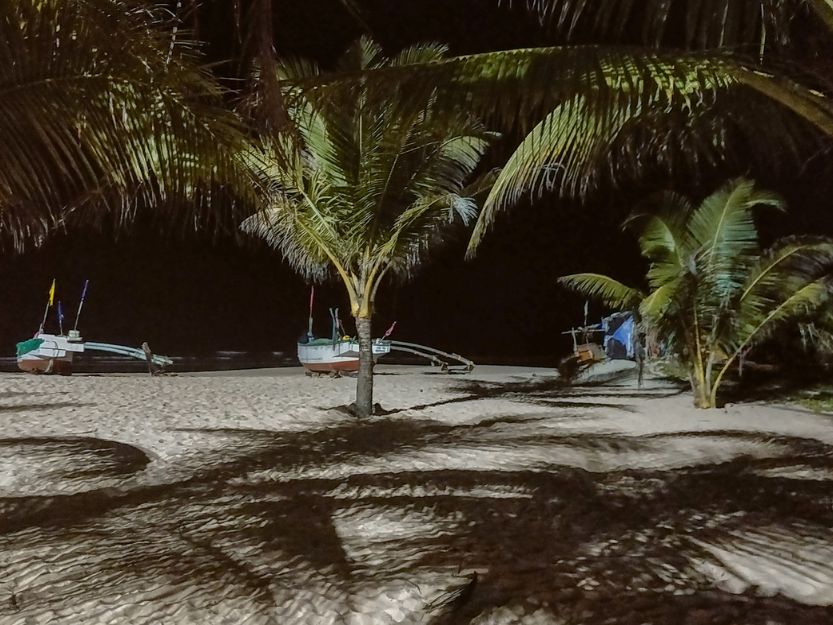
(104, 108)
(365, 184)
(713, 294)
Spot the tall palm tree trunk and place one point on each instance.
(364, 383)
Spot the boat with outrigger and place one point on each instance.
(339, 354)
(48, 353)
(619, 339)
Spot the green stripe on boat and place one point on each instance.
(24, 347)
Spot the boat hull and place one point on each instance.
(53, 354)
(336, 357)
(45, 365)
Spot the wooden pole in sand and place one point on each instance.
(148, 357)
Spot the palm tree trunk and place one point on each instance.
(700, 388)
(364, 383)
(708, 378)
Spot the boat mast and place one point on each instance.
(48, 304)
(311, 300)
(81, 303)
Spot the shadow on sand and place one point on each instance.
(312, 526)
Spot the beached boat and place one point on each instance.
(49, 353)
(336, 356)
(340, 353)
(54, 353)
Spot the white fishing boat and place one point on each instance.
(336, 356)
(54, 353)
(49, 353)
(340, 353)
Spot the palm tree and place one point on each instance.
(610, 111)
(713, 294)
(104, 108)
(364, 185)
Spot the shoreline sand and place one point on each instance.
(494, 497)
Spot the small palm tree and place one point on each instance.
(713, 294)
(363, 185)
(103, 107)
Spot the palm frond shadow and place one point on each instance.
(262, 518)
(548, 393)
(624, 539)
(15, 408)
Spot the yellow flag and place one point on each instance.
(52, 292)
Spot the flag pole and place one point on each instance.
(48, 304)
(311, 299)
(81, 303)
(43, 321)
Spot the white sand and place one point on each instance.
(246, 497)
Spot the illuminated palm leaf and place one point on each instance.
(609, 111)
(101, 112)
(612, 292)
(723, 232)
(376, 180)
(663, 239)
(706, 23)
(787, 267)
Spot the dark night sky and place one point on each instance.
(197, 295)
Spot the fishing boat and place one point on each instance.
(337, 354)
(54, 353)
(340, 353)
(49, 353)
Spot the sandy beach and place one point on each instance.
(497, 497)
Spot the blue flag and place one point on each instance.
(60, 317)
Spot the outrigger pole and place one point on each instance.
(81, 303)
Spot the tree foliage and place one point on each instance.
(103, 109)
(713, 294)
(366, 184)
(605, 113)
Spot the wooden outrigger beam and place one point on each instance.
(436, 356)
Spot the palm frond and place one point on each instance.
(101, 113)
(607, 111)
(706, 24)
(798, 304)
(428, 52)
(723, 232)
(556, 150)
(612, 292)
(663, 218)
(824, 10)
(787, 266)
(655, 307)
(816, 334)
(524, 83)
(377, 178)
